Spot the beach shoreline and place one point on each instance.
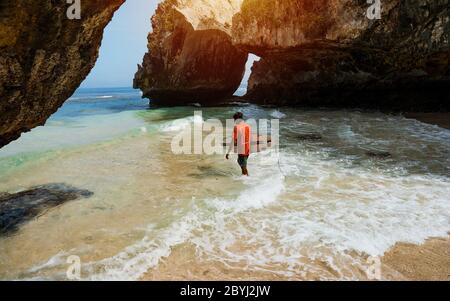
(349, 184)
(429, 261)
(425, 262)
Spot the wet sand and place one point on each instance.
(440, 119)
(430, 261)
(183, 265)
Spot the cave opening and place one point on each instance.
(123, 46)
(242, 90)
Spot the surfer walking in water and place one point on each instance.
(241, 140)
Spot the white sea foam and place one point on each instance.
(277, 114)
(75, 98)
(371, 222)
(256, 196)
(56, 260)
(348, 211)
(362, 217)
(181, 124)
(313, 225)
(137, 259)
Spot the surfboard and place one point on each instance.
(258, 144)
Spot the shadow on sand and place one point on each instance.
(20, 207)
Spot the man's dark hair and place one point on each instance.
(238, 116)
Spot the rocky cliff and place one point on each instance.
(44, 57)
(191, 57)
(328, 52)
(313, 52)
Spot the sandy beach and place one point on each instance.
(425, 262)
(429, 261)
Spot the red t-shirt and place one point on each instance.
(242, 137)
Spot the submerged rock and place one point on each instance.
(206, 172)
(309, 137)
(44, 57)
(18, 208)
(378, 154)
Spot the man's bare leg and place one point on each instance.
(245, 171)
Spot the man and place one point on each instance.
(242, 134)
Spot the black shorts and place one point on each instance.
(242, 161)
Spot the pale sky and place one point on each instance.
(124, 45)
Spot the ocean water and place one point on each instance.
(346, 185)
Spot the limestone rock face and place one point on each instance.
(44, 57)
(327, 52)
(209, 14)
(279, 24)
(191, 57)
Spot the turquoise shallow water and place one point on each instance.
(346, 184)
